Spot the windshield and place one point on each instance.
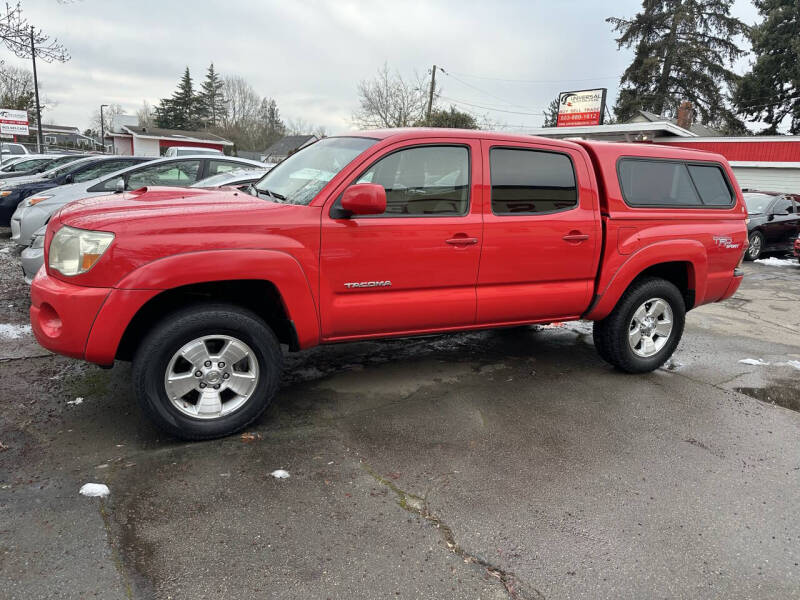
(301, 176)
(757, 203)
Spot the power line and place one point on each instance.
(481, 90)
(513, 112)
(537, 81)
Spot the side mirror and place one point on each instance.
(119, 186)
(364, 199)
(69, 178)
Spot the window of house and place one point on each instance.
(531, 181)
(423, 181)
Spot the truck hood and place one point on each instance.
(161, 204)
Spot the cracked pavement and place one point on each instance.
(495, 464)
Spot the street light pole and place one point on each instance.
(36, 90)
(102, 129)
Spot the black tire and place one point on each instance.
(754, 251)
(154, 354)
(611, 334)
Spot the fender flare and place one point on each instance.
(204, 266)
(687, 251)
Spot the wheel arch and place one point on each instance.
(262, 297)
(682, 262)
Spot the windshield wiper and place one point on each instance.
(266, 192)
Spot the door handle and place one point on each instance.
(462, 241)
(576, 236)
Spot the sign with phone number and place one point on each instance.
(580, 108)
(13, 122)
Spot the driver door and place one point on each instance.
(413, 268)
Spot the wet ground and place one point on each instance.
(500, 464)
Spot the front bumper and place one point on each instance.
(82, 322)
(32, 260)
(29, 220)
(62, 314)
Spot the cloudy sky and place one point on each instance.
(504, 57)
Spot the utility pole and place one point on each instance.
(36, 90)
(430, 96)
(102, 129)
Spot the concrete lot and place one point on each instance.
(497, 464)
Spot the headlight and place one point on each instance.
(34, 200)
(37, 242)
(75, 251)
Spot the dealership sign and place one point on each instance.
(13, 122)
(584, 107)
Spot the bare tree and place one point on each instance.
(16, 88)
(388, 100)
(145, 115)
(109, 113)
(15, 33)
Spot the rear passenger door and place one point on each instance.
(541, 237)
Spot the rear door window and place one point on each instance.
(531, 181)
(180, 173)
(215, 167)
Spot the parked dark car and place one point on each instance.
(797, 248)
(37, 164)
(774, 222)
(82, 169)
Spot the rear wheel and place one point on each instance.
(207, 371)
(755, 247)
(644, 329)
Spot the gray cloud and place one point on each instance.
(310, 56)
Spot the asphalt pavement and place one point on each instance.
(497, 464)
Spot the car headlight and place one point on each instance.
(37, 242)
(75, 251)
(34, 200)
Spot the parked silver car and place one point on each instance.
(33, 255)
(181, 171)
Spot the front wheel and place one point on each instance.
(207, 371)
(644, 329)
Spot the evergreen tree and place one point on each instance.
(683, 50)
(275, 127)
(181, 110)
(770, 92)
(551, 113)
(211, 99)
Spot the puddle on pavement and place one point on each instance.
(785, 395)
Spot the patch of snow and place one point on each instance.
(280, 474)
(793, 363)
(777, 262)
(754, 361)
(75, 402)
(10, 331)
(4, 250)
(94, 490)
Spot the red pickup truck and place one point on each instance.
(385, 233)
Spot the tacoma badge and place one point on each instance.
(369, 284)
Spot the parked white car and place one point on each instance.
(189, 151)
(35, 211)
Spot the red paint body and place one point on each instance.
(446, 272)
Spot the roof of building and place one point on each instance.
(696, 128)
(61, 128)
(172, 134)
(288, 144)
